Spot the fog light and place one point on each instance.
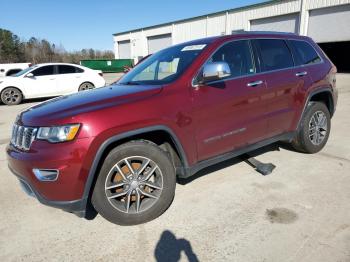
(46, 174)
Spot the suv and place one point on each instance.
(120, 148)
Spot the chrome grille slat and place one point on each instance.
(22, 137)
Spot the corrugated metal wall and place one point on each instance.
(314, 4)
(189, 30)
(216, 25)
(222, 23)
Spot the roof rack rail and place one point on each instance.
(263, 32)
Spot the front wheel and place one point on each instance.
(314, 129)
(11, 96)
(136, 184)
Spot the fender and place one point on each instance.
(315, 92)
(109, 141)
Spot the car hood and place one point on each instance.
(65, 107)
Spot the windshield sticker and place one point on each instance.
(193, 47)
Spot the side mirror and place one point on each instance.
(30, 75)
(215, 71)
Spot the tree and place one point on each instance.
(13, 50)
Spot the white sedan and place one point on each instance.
(47, 80)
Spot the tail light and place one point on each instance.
(100, 74)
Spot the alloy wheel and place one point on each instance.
(11, 96)
(134, 184)
(86, 86)
(318, 128)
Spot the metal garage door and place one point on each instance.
(283, 23)
(158, 42)
(330, 24)
(124, 49)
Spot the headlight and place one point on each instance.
(57, 134)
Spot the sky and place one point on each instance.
(78, 24)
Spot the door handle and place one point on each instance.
(301, 73)
(255, 83)
(52, 78)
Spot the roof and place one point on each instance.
(240, 35)
(201, 16)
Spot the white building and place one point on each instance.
(326, 21)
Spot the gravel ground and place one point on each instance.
(229, 212)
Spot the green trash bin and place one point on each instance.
(108, 65)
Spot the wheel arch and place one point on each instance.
(140, 134)
(323, 95)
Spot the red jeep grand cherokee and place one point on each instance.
(121, 147)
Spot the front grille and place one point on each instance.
(22, 137)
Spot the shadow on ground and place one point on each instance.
(169, 248)
(234, 161)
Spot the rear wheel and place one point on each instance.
(314, 129)
(136, 184)
(86, 86)
(11, 96)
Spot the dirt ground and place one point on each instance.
(229, 212)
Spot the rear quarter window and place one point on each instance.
(274, 54)
(305, 54)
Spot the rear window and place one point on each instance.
(274, 54)
(305, 54)
(67, 69)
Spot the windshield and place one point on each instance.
(24, 71)
(164, 66)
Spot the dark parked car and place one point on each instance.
(186, 107)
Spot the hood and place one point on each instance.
(65, 107)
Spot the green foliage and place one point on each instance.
(13, 50)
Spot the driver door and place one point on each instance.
(43, 82)
(230, 113)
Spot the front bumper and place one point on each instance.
(78, 207)
(67, 192)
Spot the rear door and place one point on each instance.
(309, 68)
(230, 113)
(69, 78)
(278, 69)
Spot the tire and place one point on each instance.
(314, 129)
(86, 86)
(119, 204)
(11, 96)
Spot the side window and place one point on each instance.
(67, 69)
(274, 54)
(237, 55)
(44, 71)
(304, 52)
